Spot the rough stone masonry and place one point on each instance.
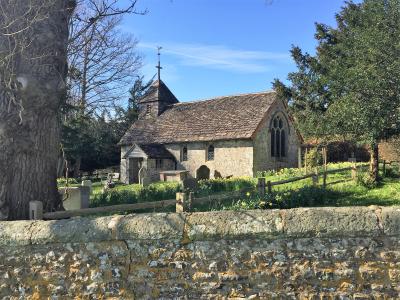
(314, 253)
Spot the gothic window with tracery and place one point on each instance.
(278, 138)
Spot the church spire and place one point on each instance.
(159, 63)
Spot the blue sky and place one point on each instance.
(223, 47)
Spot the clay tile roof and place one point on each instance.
(222, 118)
(159, 90)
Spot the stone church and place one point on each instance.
(220, 137)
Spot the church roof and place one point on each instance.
(150, 150)
(159, 90)
(222, 118)
(156, 151)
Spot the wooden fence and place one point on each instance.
(264, 186)
(185, 201)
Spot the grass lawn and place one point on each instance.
(340, 191)
(386, 193)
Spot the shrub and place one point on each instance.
(63, 181)
(282, 173)
(313, 158)
(210, 186)
(308, 196)
(341, 151)
(135, 193)
(392, 171)
(365, 180)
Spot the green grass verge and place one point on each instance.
(340, 191)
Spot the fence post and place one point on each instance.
(324, 179)
(354, 172)
(36, 210)
(325, 157)
(261, 187)
(190, 201)
(299, 160)
(181, 199)
(269, 187)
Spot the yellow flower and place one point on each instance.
(248, 194)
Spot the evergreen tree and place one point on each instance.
(138, 90)
(90, 141)
(351, 87)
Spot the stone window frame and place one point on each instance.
(159, 163)
(210, 155)
(279, 134)
(184, 154)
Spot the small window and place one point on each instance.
(159, 163)
(210, 152)
(184, 154)
(148, 109)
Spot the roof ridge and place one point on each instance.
(221, 97)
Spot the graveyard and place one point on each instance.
(199, 149)
(340, 190)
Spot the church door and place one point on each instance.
(134, 167)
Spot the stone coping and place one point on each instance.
(216, 225)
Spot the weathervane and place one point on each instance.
(159, 63)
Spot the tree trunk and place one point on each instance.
(29, 110)
(374, 162)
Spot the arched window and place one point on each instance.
(184, 153)
(278, 138)
(210, 152)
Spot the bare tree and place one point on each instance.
(33, 68)
(103, 62)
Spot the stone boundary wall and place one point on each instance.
(306, 253)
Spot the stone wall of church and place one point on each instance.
(231, 158)
(152, 173)
(124, 164)
(262, 143)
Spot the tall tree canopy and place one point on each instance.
(351, 86)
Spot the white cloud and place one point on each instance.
(220, 57)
